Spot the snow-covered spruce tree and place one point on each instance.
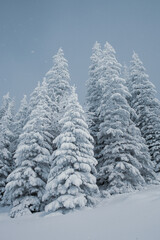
(5, 103)
(33, 102)
(125, 72)
(125, 163)
(94, 94)
(146, 106)
(27, 182)
(71, 182)
(57, 79)
(6, 138)
(19, 121)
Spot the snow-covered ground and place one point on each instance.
(133, 216)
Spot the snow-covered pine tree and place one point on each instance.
(19, 121)
(5, 102)
(146, 106)
(6, 138)
(94, 94)
(125, 72)
(57, 79)
(27, 182)
(125, 163)
(71, 182)
(33, 98)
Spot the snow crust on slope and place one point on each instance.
(131, 216)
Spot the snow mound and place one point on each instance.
(131, 216)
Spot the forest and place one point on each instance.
(57, 156)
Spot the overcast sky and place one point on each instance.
(31, 32)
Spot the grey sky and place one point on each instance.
(31, 31)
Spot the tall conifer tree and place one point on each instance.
(5, 102)
(27, 182)
(125, 162)
(94, 94)
(58, 83)
(71, 182)
(6, 139)
(20, 120)
(147, 107)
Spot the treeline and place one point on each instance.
(56, 157)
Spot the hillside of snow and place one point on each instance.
(132, 216)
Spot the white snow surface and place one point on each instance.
(131, 216)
